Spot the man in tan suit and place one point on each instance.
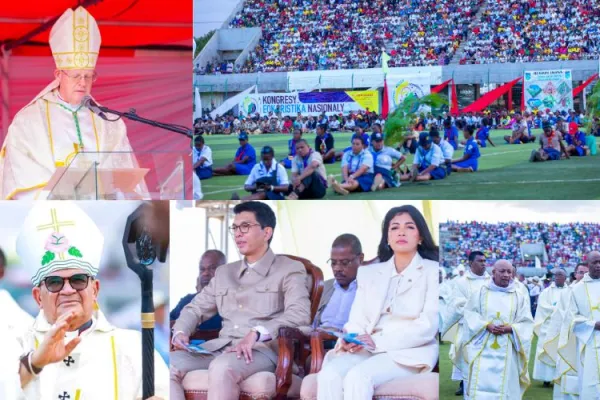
(339, 293)
(255, 297)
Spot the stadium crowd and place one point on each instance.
(306, 35)
(565, 244)
(534, 31)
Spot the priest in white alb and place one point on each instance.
(496, 338)
(565, 378)
(55, 126)
(543, 369)
(579, 344)
(475, 277)
(91, 359)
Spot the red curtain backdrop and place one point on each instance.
(440, 87)
(490, 97)
(159, 88)
(123, 23)
(580, 88)
(385, 108)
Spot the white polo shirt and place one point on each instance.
(260, 171)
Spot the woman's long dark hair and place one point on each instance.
(427, 249)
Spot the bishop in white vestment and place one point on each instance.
(62, 246)
(498, 328)
(543, 370)
(565, 378)
(579, 344)
(475, 277)
(54, 127)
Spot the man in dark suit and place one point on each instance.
(338, 294)
(209, 262)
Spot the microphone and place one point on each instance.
(88, 102)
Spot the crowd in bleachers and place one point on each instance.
(533, 31)
(306, 35)
(565, 244)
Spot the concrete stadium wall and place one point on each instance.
(502, 73)
(309, 80)
(373, 77)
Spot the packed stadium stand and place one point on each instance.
(307, 35)
(534, 30)
(564, 244)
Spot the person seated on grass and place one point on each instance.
(384, 166)
(469, 161)
(427, 162)
(334, 123)
(202, 158)
(551, 145)
(324, 144)
(447, 149)
(287, 163)
(519, 131)
(268, 180)
(483, 134)
(358, 132)
(287, 125)
(410, 143)
(357, 170)
(244, 161)
(309, 178)
(576, 142)
(450, 133)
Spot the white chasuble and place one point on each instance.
(106, 365)
(453, 315)
(579, 344)
(48, 133)
(565, 379)
(497, 365)
(543, 368)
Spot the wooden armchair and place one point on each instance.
(294, 349)
(418, 387)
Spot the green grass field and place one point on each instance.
(448, 387)
(504, 173)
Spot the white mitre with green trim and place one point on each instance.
(58, 235)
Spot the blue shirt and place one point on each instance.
(425, 158)
(337, 310)
(385, 162)
(292, 147)
(246, 150)
(355, 161)
(471, 149)
(482, 134)
(451, 135)
(210, 324)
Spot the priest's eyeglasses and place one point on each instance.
(244, 228)
(86, 77)
(78, 282)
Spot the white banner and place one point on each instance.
(309, 103)
(402, 86)
(550, 89)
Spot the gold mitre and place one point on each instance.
(75, 40)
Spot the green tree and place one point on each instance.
(202, 41)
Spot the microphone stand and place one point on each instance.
(132, 115)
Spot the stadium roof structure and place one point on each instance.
(125, 24)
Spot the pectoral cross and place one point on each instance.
(69, 360)
(55, 226)
(64, 396)
(596, 307)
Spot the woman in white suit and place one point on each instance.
(395, 313)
